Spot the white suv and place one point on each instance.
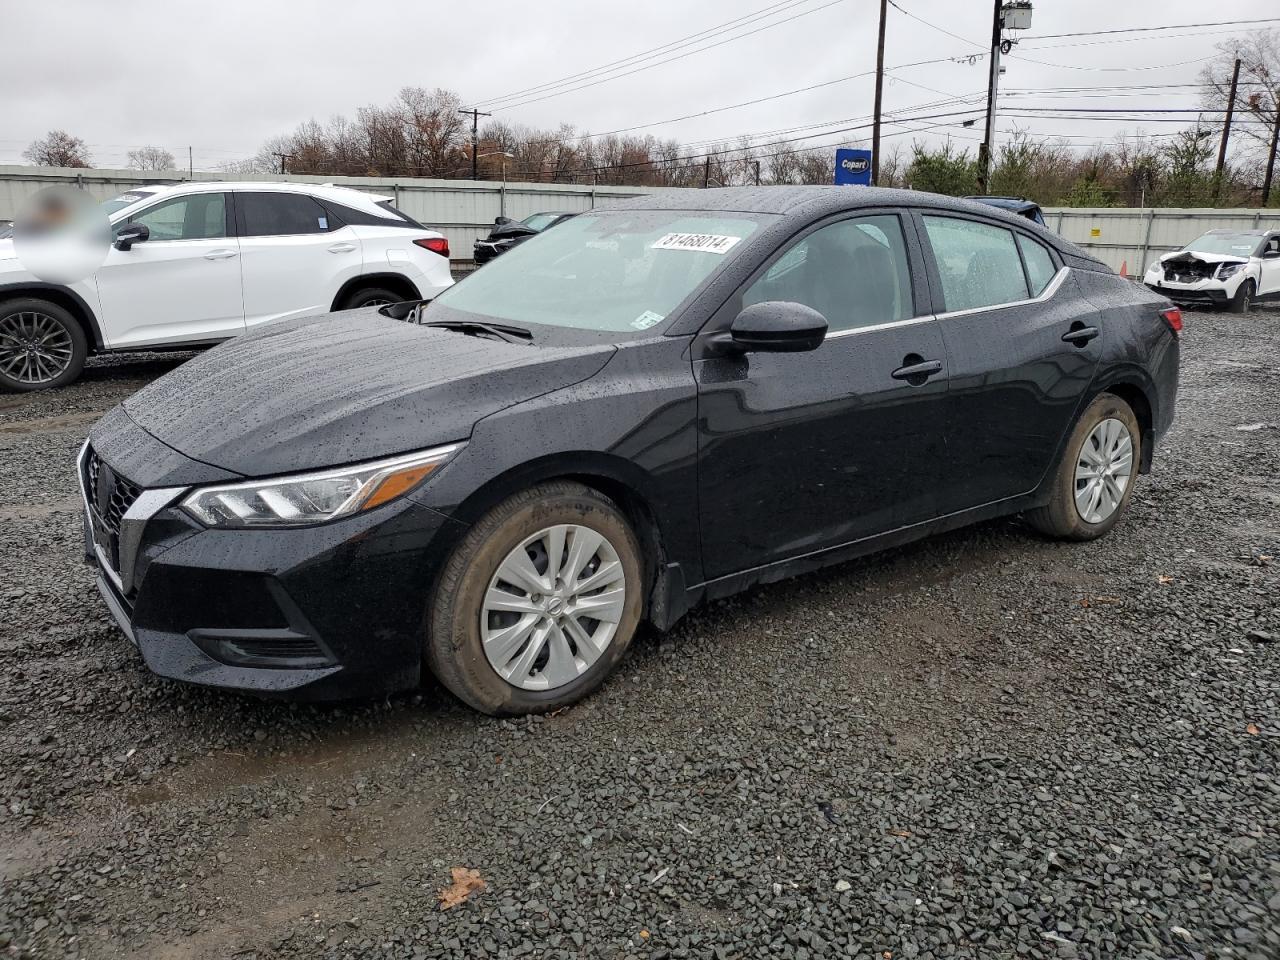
(1224, 268)
(196, 263)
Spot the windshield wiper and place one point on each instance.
(477, 329)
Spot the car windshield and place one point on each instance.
(125, 200)
(539, 221)
(621, 272)
(1228, 244)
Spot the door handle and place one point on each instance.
(220, 255)
(916, 370)
(341, 247)
(1079, 334)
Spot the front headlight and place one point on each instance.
(1229, 270)
(314, 497)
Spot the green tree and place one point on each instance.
(946, 170)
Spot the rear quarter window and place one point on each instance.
(1040, 267)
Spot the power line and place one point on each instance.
(763, 12)
(1075, 66)
(934, 26)
(1167, 26)
(659, 63)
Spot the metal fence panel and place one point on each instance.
(464, 210)
(1134, 238)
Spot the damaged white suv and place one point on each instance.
(1223, 268)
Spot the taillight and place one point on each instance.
(1173, 320)
(435, 244)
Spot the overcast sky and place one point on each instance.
(224, 77)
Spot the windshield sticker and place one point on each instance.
(647, 320)
(704, 242)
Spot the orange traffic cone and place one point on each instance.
(1124, 268)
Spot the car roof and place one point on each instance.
(348, 196)
(797, 201)
(1007, 203)
(1228, 232)
(814, 202)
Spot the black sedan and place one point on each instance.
(507, 233)
(650, 407)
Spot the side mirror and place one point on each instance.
(778, 326)
(500, 221)
(130, 234)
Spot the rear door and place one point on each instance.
(182, 284)
(800, 452)
(294, 255)
(1022, 345)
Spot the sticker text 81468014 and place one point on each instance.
(704, 242)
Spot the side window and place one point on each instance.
(1040, 268)
(855, 273)
(280, 214)
(201, 216)
(978, 263)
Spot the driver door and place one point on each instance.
(802, 452)
(1269, 271)
(180, 285)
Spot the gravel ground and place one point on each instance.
(985, 745)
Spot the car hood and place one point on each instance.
(1189, 256)
(509, 230)
(344, 387)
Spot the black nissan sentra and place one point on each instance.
(642, 409)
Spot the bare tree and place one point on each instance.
(58, 149)
(1258, 96)
(151, 158)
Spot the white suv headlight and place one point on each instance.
(1229, 270)
(308, 498)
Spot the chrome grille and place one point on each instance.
(110, 496)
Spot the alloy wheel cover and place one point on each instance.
(1104, 470)
(552, 607)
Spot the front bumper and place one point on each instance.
(485, 250)
(1198, 295)
(319, 613)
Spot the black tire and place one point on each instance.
(454, 649)
(1243, 299)
(57, 323)
(1060, 517)
(368, 297)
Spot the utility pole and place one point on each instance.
(1271, 157)
(993, 87)
(191, 167)
(756, 163)
(1008, 15)
(283, 157)
(706, 173)
(875, 129)
(475, 139)
(1226, 132)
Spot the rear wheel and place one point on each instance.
(538, 603)
(370, 297)
(41, 346)
(1093, 483)
(1243, 299)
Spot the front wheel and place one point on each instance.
(538, 603)
(41, 346)
(1093, 483)
(1243, 299)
